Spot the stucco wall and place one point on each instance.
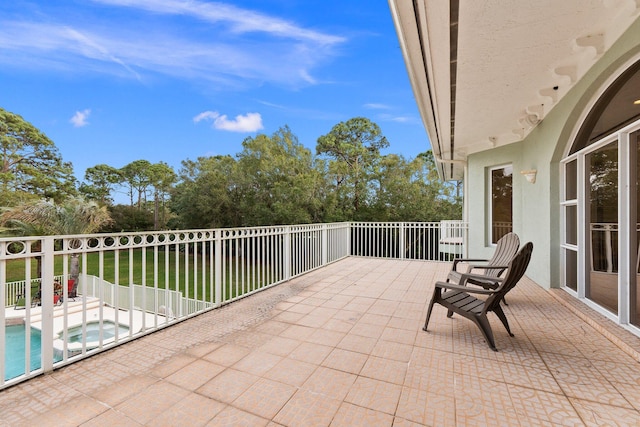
(536, 207)
(531, 213)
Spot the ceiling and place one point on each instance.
(486, 72)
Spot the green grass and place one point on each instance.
(166, 271)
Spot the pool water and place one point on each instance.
(74, 334)
(14, 355)
(15, 338)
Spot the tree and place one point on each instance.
(31, 166)
(137, 176)
(46, 218)
(101, 180)
(206, 195)
(127, 218)
(277, 180)
(273, 181)
(354, 148)
(396, 196)
(445, 198)
(162, 177)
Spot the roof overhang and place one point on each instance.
(486, 72)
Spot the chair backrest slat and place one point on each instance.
(516, 270)
(506, 248)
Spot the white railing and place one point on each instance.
(16, 289)
(133, 283)
(148, 299)
(428, 241)
(452, 238)
(604, 247)
(499, 229)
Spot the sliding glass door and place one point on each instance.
(601, 231)
(600, 204)
(602, 214)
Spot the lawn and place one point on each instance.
(174, 270)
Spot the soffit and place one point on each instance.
(515, 61)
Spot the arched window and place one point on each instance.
(601, 204)
(615, 109)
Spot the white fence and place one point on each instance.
(428, 241)
(133, 283)
(17, 289)
(499, 229)
(137, 297)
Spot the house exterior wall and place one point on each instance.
(536, 207)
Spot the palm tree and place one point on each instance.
(44, 218)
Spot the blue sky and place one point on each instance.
(113, 81)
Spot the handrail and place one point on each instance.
(135, 283)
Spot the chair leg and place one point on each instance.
(21, 303)
(498, 311)
(433, 301)
(485, 327)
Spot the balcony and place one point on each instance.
(338, 344)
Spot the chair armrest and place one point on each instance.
(480, 277)
(473, 290)
(487, 267)
(458, 260)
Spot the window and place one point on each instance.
(501, 215)
(570, 242)
(601, 208)
(601, 204)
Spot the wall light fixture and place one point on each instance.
(530, 175)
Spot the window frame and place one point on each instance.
(490, 191)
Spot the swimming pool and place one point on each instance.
(77, 343)
(15, 336)
(74, 334)
(14, 355)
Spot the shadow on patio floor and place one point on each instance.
(343, 346)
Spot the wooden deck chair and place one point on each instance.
(506, 249)
(457, 298)
(21, 302)
(21, 299)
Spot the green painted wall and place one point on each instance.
(536, 210)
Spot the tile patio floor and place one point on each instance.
(343, 346)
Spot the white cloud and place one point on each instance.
(249, 122)
(207, 115)
(240, 20)
(80, 118)
(96, 50)
(271, 104)
(242, 47)
(304, 74)
(397, 119)
(401, 119)
(374, 106)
